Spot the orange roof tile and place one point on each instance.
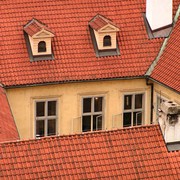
(75, 59)
(167, 70)
(8, 130)
(131, 153)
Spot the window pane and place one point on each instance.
(86, 105)
(86, 123)
(97, 122)
(51, 108)
(98, 104)
(40, 128)
(107, 41)
(51, 127)
(138, 101)
(137, 118)
(128, 102)
(127, 119)
(42, 46)
(40, 109)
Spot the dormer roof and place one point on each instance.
(100, 23)
(34, 29)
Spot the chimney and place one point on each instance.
(159, 13)
(169, 121)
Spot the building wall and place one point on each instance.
(166, 94)
(69, 96)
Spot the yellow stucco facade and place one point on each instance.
(69, 103)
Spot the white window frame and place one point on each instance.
(45, 117)
(132, 110)
(92, 113)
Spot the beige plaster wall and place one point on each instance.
(69, 96)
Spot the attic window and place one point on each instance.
(104, 36)
(42, 46)
(107, 41)
(38, 40)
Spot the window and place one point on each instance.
(107, 41)
(42, 46)
(133, 110)
(92, 114)
(46, 118)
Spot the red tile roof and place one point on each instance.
(34, 27)
(167, 70)
(131, 153)
(99, 22)
(8, 130)
(75, 59)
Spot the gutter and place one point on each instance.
(71, 81)
(152, 97)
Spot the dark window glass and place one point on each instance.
(107, 41)
(39, 128)
(98, 104)
(51, 108)
(127, 101)
(42, 46)
(86, 123)
(138, 101)
(40, 107)
(97, 122)
(127, 119)
(86, 105)
(51, 127)
(137, 118)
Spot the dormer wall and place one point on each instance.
(100, 37)
(34, 45)
(159, 13)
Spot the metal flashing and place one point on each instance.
(173, 146)
(158, 33)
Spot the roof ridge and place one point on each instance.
(80, 134)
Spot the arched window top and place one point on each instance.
(107, 40)
(42, 46)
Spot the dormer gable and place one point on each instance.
(104, 36)
(38, 39)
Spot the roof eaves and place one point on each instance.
(165, 85)
(154, 63)
(73, 81)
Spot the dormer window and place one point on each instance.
(38, 39)
(107, 41)
(42, 46)
(104, 36)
